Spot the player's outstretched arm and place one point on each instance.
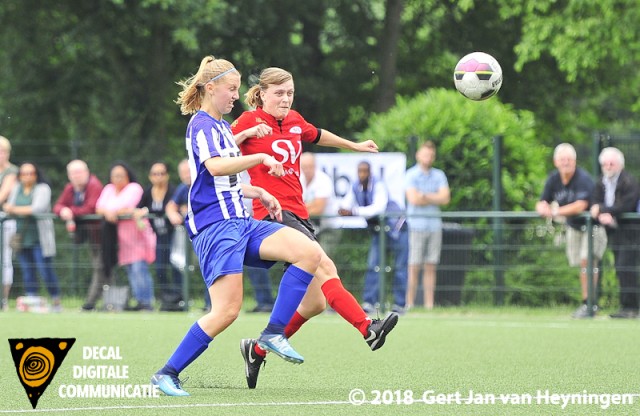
(329, 139)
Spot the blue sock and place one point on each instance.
(193, 344)
(293, 286)
(167, 369)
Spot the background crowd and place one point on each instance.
(137, 229)
(123, 224)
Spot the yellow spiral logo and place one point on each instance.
(36, 365)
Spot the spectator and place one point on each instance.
(616, 193)
(567, 193)
(78, 199)
(427, 189)
(135, 239)
(30, 197)
(176, 211)
(176, 208)
(153, 202)
(319, 198)
(263, 292)
(369, 198)
(8, 179)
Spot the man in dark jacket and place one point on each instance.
(616, 193)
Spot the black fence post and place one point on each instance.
(498, 295)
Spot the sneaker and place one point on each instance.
(5, 305)
(279, 345)
(169, 385)
(88, 307)
(252, 361)
(583, 312)
(625, 314)
(379, 329)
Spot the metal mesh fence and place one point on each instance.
(487, 258)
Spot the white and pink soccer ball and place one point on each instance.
(478, 76)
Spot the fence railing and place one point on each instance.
(488, 258)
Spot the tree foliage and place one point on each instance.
(463, 131)
(595, 47)
(98, 74)
(99, 77)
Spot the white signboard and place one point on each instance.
(343, 170)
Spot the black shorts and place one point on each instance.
(292, 220)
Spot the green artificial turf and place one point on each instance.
(506, 354)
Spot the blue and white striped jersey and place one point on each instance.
(211, 199)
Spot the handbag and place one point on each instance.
(115, 298)
(178, 254)
(15, 242)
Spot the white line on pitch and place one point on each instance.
(172, 406)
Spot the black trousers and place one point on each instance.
(625, 249)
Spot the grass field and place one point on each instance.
(509, 352)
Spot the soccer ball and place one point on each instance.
(478, 76)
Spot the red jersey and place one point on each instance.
(285, 145)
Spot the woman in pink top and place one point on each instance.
(136, 240)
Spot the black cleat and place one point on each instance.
(379, 329)
(252, 361)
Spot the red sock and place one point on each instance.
(259, 351)
(294, 324)
(343, 302)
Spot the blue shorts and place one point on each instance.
(225, 246)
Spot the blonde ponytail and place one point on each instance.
(192, 94)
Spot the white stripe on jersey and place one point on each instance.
(203, 146)
(223, 183)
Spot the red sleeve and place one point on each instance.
(64, 200)
(91, 195)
